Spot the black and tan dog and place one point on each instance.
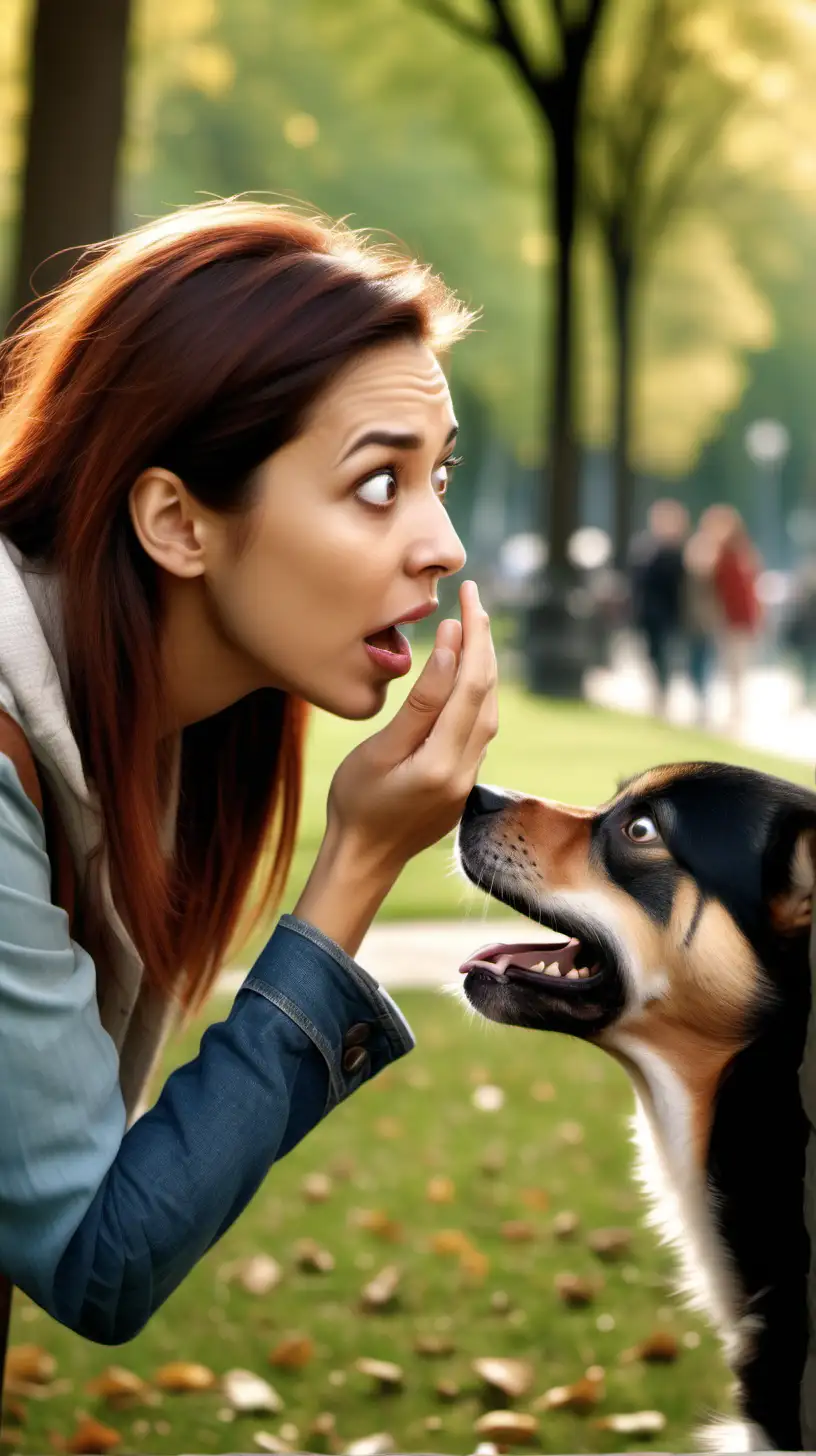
(687, 902)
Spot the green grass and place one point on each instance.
(570, 752)
(434, 1130)
(574, 752)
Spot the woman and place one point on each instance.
(736, 572)
(224, 450)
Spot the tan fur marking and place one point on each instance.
(560, 836)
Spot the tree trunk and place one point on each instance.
(623, 478)
(561, 512)
(77, 86)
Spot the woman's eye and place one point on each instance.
(642, 830)
(382, 488)
(443, 476)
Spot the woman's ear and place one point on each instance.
(792, 908)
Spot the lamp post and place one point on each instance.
(767, 443)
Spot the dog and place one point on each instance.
(686, 903)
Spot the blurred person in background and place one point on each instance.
(799, 633)
(737, 567)
(656, 575)
(703, 619)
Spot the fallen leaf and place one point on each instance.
(515, 1231)
(323, 1433)
(257, 1275)
(494, 1161)
(450, 1241)
(433, 1423)
(311, 1258)
(380, 1444)
(91, 1438)
(514, 1427)
(11, 1437)
(581, 1397)
(474, 1264)
(292, 1353)
(267, 1442)
(447, 1390)
(289, 1433)
(185, 1375)
(248, 1393)
(381, 1291)
(343, 1168)
(376, 1221)
(117, 1384)
(638, 1423)
(574, 1291)
(440, 1190)
(571, 1133)
(566, 1224)
(660, 1348)
(316, 1187)
(512, 1377)
(31, 1364)
(542, 1092)
(433, 1346)
(500, 1302)
(610, 1243)
(14, 1410)
(388, 1127)
(488, 1098)
(536, 1198)
(387, 1376)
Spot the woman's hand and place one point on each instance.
(405, 787)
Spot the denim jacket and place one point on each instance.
(100, 1222)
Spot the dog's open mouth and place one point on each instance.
(548, 965)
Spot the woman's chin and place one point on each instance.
(356, 702)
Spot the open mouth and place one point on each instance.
(390, 649)
(560, 965)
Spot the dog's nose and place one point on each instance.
(483, 801)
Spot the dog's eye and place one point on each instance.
(642, 830)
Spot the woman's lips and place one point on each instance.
(395, 658)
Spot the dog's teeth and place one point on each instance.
(573, 975)
(539, 966)
(553, 969)
(583, 972)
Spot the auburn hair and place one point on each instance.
(196, 342)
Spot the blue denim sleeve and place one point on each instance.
(98, 1224)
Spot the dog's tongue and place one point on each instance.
(525, 956)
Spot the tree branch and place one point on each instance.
(678, 184)
(506, 36)
(440, 10)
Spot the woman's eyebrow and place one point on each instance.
(395, 441)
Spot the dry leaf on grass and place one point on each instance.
(610, 1243)
(536, 1198)
(388, 1127)
(14, 1410)
(581, 1397)
(450, 1241)
(386, 1376)
(440, 1190)
(31, 1364)
(316, 1187)
(91, 1438)
(257, 1275)
(474, 1264)
(265, 1441)
(312, 1259)
(512, 1377)
(636, 1423)
(660, 1348)
(566, 1224)
(447, 1390)
(433, 1345)
(512, 1427)
(542, 1092)
(380, 1444)
(500, 1302)
(381, 1291)
(571, 1133)
(376, 1221)
(516, 1231)
(11, 1438)
(248, 1393)
(488, 1098)
(574, 1291)
(183, 1376)
(118, 1385)
(292, 1353)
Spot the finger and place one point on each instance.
(484, 731)
(477, 678)
(413, 722)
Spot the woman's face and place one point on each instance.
(349, 534)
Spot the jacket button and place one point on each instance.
(357, 1034)
(355, 1058)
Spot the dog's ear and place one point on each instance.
(792, 907)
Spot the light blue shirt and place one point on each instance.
(99, 1225)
